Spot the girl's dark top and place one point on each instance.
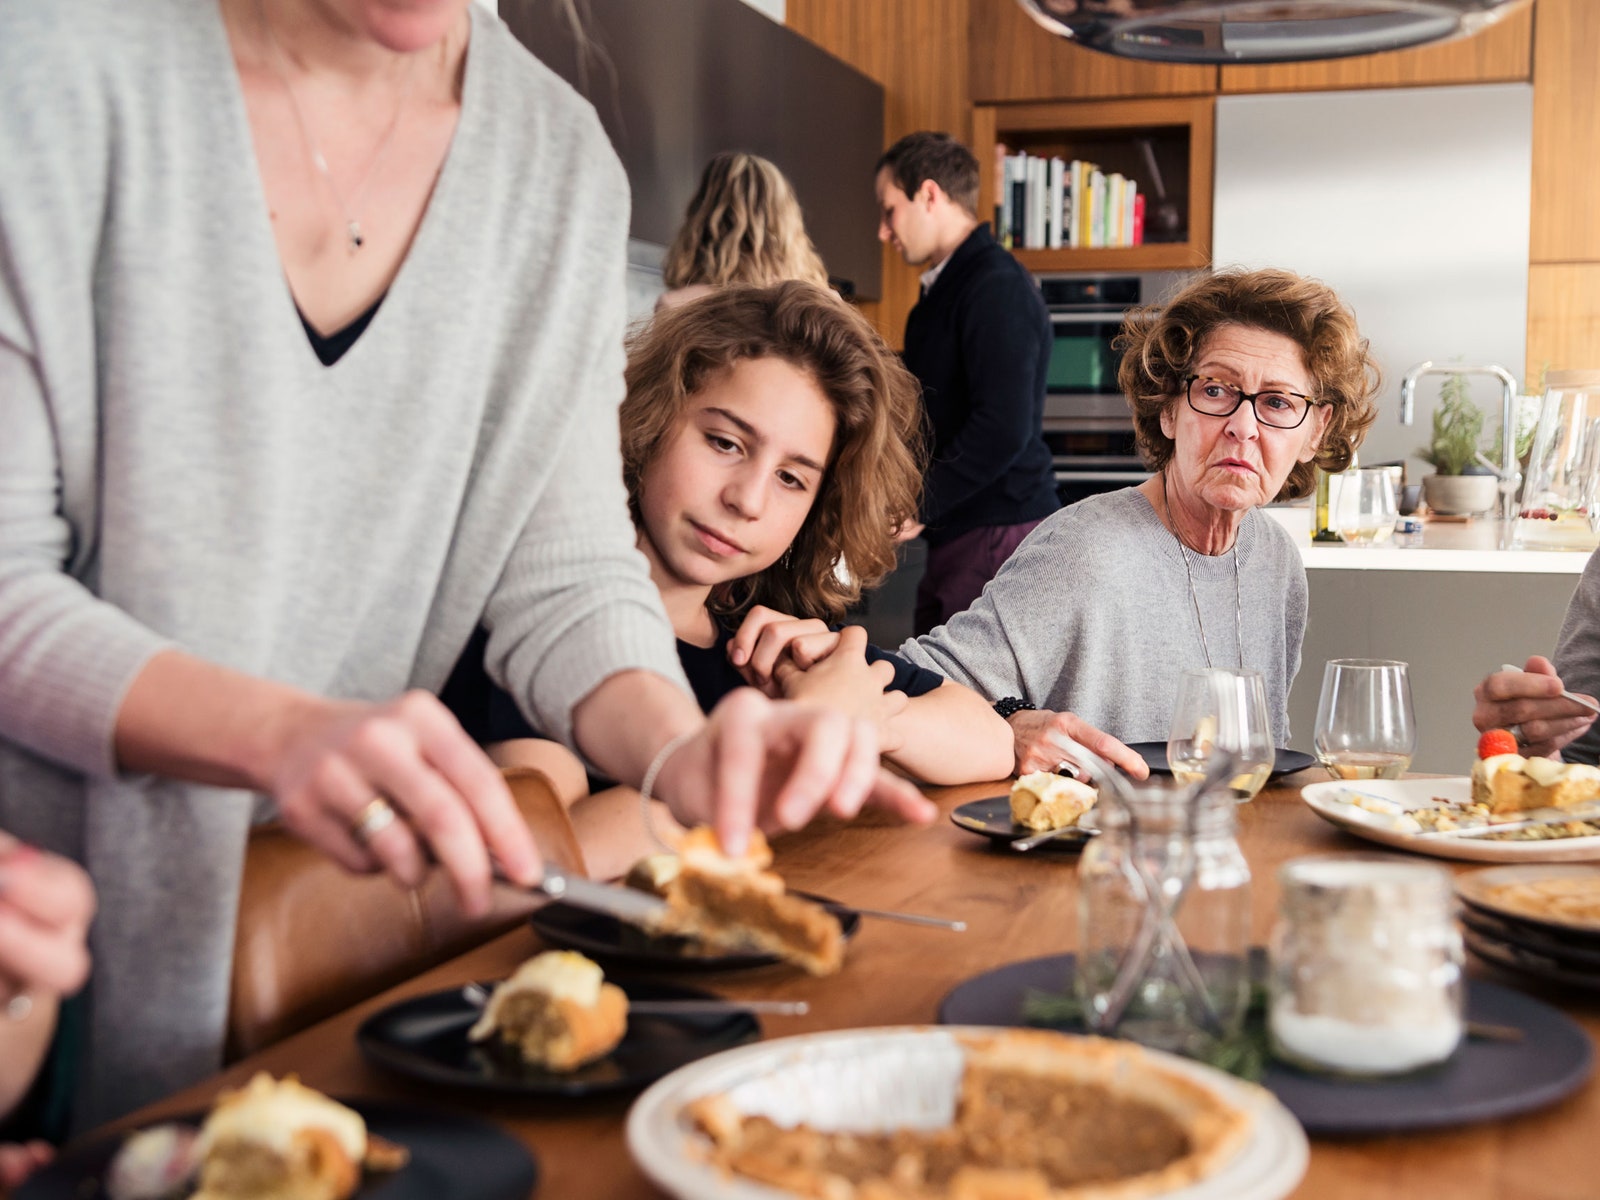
(43, 1112)
(330, 348)
(491, 715)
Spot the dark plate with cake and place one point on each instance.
(616, 943)
(1284, 759)
(425, 1038)
(991, 818)
(452, 1157)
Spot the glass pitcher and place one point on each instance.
(1164, 920)
(1558, 500)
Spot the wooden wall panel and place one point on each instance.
(917, 49)
(1014, 59)
(1566, 133)
(1563, 316)
(1500, 54)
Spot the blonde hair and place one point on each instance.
(743, 226)
(873, 479)
(1159, 344)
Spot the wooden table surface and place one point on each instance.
(1016, 907)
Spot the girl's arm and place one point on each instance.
(951, 735)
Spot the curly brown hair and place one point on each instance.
(743, 225)
(873, 480)
(1159, 344)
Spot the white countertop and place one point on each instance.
(1446, 546)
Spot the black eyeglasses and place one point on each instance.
(1214, 398)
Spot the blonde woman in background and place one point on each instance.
(743, 226)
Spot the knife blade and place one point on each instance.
(623, 903)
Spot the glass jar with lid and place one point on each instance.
(1164, 921)
(1366, 967)
(1558, 509)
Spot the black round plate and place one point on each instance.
(425, 1037)
(992, 819)
(452, 1158)
(1539, 939)
(1521, 959)
(608, 940)
(1284, 761)
(1483, 1081)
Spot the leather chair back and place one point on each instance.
(312, 939)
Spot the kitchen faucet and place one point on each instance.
(1509, 475)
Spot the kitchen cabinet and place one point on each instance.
(1179, 131)
(1014, 59)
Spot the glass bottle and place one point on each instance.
(1164, 921)
(1321, 529)
(1366, 967)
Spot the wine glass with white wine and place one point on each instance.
(1366, 728)
(1222, 710)
(1366, 508)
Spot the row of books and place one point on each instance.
(1051, 204)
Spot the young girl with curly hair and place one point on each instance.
(771, 445)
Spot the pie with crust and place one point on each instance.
(1040, 1116)
(740, 904)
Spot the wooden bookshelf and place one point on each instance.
(1181, 133)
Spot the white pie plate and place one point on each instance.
(1324, 800)
(899, 1077)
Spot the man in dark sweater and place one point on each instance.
(979, 341)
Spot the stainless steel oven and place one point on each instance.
(1087, 424)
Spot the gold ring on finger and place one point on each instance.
(375, 816)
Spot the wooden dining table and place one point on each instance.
(1016, 906)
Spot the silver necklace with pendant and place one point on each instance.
(1194, 596)
(352, 223)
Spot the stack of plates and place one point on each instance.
(1537, 920)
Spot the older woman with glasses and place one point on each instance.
(1241, 385)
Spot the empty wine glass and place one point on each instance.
(1222, 710)
(1366, 728)
(1366, 509)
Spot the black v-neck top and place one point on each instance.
(330, 348)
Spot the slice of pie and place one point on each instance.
(1043, 800)
(556, 1011)
(740, 904)
(1040, 1116)
(280, 1140)
(1511, 783)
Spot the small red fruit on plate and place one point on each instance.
(1496, 741)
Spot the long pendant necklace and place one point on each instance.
(352, 223)
(1194, 596)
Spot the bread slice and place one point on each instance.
(556, 1011)
(1043, 800)
(739, 903)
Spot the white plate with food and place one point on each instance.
(725, 1128)
(1403, 812)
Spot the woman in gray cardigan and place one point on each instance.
(1241, 384)
(311, 324)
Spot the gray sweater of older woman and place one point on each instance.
(1094, 615)
(178, 469)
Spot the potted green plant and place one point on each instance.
(1461, 484)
